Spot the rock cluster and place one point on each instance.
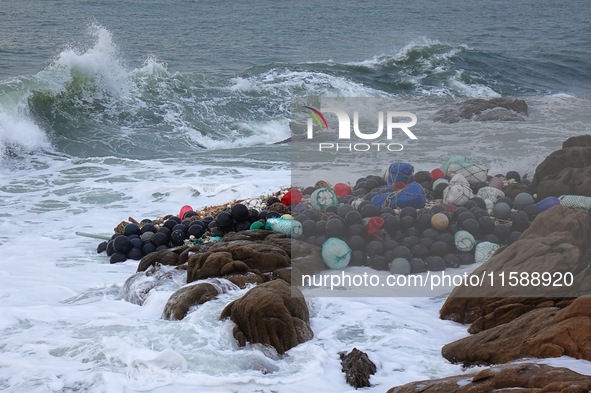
(566, 171)
(516, 378)
(478, 109)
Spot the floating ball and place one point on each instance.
(502, 231)
(408, 211)
(439, 249)
(224, 219)
(452, 261)
(471, 226)
(547, 203)
(424, 221)
(292, 197)
(336, 254)
(148, 248)
(502, 211)
(308, 190)
(177, 237)
(149, 228)
(322, 198)
(169, 224)
(374, 225)
(374, 248)
(407, 222)
(506, 200)
(101, 247)
(400, 266)
(437, 174)
(410, 241)
(184, 210)
(378, 262)
(417, 265)
(160, 239)
(240, 212)
(447, 238)
(118, 257)
(440, 221)
(121, 244)
(369, 210)
(420, 251)
(522, 200)
(135, 254)
(402, 252)
(342, 189)
(519, 221)
(334, 228)
(466, 258)
(110, 250)
(464, 241)
(514, 176)
(261, 225)
(353, 217)
(435, 264)
(496, 182)
(479, 202)
(357, 229)
(439, 189)
(136, 242)
(358, 258)
(196, 230)
(357, 243)
(513, 237)
(132, 229)
(487, 225)
(391, 223)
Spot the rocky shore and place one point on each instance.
(404, 222)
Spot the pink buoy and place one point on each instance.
(185, 209)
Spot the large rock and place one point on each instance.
(517, 378)
(357, 368)
(236, 257)
(168, 257)
(555, 242)
(182, 300)
(478, 109)
(272, 314)
(565, 171)
(541, 333)
(579, 140)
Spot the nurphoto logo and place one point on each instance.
(348, 130)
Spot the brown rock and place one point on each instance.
(580, 140)
(235, 257)
(242, 280)
(517, 378)
(181, 301)
(544, 332)
(169, 257)
(555, 242)
(357, 368)
(564, 171)
(478, 109)
(272, 314)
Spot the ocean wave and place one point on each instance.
(90, 102)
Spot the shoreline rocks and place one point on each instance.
(272, 313)
(514, 378)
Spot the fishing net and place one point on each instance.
(464, 241)
(491, 193)
(576, 201)
(336, 254)
(484, 251)
(323, 198)
(399, 172)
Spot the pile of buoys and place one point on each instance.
(381, 221)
